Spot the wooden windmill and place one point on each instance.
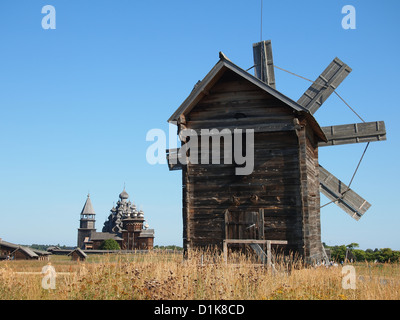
(280, 200)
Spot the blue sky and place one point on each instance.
(76, 104)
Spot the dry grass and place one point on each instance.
(202, 276)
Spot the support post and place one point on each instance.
(269, 254)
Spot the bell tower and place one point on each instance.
(87, 223)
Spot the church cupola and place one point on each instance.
(124, 195)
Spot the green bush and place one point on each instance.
(109, 244)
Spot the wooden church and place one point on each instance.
(279, 200)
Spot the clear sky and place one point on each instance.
(76, 103)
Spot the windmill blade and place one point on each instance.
(264, 62)
(338, 192)
(324, 85)
(354, 133)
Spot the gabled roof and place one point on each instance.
(216, 73)
(27, 251)
(16, 246)
(79, 251)
(8, 244)
(88, 207)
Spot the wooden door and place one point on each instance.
(244, 225)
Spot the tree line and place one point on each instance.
(43, 247)
(338, 253)
(109, 244)
(351, 252)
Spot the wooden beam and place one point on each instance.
(354, 133)
(226, 215)
(172, 159)
(336, 191)
(260, 222)
(270, 127)
(248, 241)
(324, 85)
(260, 253)
(225, 248)
(269, 254)
(264, 63)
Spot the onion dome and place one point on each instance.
(140, 214)
(123, 195)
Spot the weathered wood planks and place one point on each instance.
(273, 181)
(345, 198)
(264, 62)
(309, 173)
(354, 133)
(275, 187)
(324, 85)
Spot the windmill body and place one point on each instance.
(280, 199)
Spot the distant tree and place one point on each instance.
(396, 256)
(109, 244)
(42, 247)
(388, 255)
(369, 255)
(172, 247)
(338, 252)
(360, 255)
(352, 245)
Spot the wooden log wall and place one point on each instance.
(309, 175)
(285, 178)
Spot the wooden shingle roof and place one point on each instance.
(202, 87)
(88, 207)
(26, 251)
(104, 236)
(79, 252)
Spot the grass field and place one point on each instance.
(205, 276)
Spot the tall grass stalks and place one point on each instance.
(202, 274)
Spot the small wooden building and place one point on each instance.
(279, 198)
(14, 251)
(77, 255)
(24, 253)
(146, 239)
